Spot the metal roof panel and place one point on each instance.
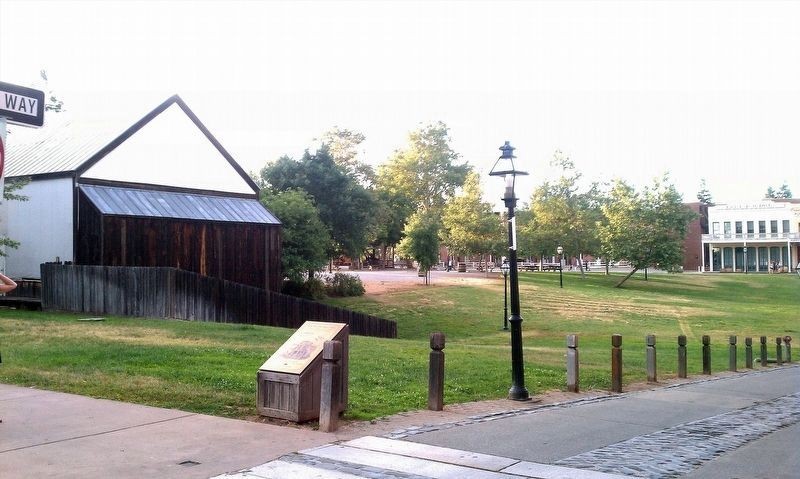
(167, 204)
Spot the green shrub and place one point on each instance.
(311, 289)
(342, 284)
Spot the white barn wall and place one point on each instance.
(42, 225)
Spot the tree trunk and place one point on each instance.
(626, 277)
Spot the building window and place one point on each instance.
(763, 258)
(773, 226)
(785, 226)
(715, 228)
(727, 226)
(784, 256)
(762, 227)
(750, 228)
(727, 258)
(739, 228)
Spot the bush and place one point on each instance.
(312, 289)
(341, 284)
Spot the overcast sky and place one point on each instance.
(626, 89)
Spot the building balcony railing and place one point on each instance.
(754, 237)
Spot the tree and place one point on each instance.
(421, 240)
(52, 103)
(425, 174)
(344, 205)
(304, 239)
(704, 196)
(563, 216)
(9, 194)
(645, 228)
(470, 227)
(343, 145)
(782, 192)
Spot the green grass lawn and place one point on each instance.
(211, 368)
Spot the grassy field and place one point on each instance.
(210, 368)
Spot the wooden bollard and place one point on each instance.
(573, 379)
(329, 390)
(732, 354)
(706, 354)
(436, 373)
(748, 352)
(763, 351)
(787, 341)
(616, 363)
(682, 356)
(650, 341)
(779, 352)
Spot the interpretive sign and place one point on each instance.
(289, 381)
(21, 105)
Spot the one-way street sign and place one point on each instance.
(21, 105)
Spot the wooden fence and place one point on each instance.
(174, 293)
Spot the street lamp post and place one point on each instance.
(504, 167)
(504, 268)
(560, 252)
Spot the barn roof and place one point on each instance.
(117, 201)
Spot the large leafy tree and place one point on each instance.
(426, 173)
(305, 238)
(470, 227)
(561, 215)
(646, 228)
(421, 240)
(344, 205)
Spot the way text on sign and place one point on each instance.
(21, 105)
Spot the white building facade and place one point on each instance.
(754, 237)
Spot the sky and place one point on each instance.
(631, 90)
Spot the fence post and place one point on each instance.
(329, 390)
(650, 340)
(682, 356)
(748, 353)
(779, 357)
(787, 340)
(706, 354)
(436, 373)
(732, 354)
(573, 378)
(763, 351)
(616, 363)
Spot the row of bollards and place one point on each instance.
(436, 362)
(782, 343)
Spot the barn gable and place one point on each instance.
(160, 192)
(169, 150)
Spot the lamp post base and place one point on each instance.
(517, 393)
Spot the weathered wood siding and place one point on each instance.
(240, 252)
(162, 292)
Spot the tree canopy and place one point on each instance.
(421, 241)
(344, 205)
(704, 196)
(425, 173)
(646, 228)
(469, 224)
(782, 192)
(305, 239)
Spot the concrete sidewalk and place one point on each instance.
(50, 434)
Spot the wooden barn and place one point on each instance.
(159, 192)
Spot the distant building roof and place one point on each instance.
(165, 204)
